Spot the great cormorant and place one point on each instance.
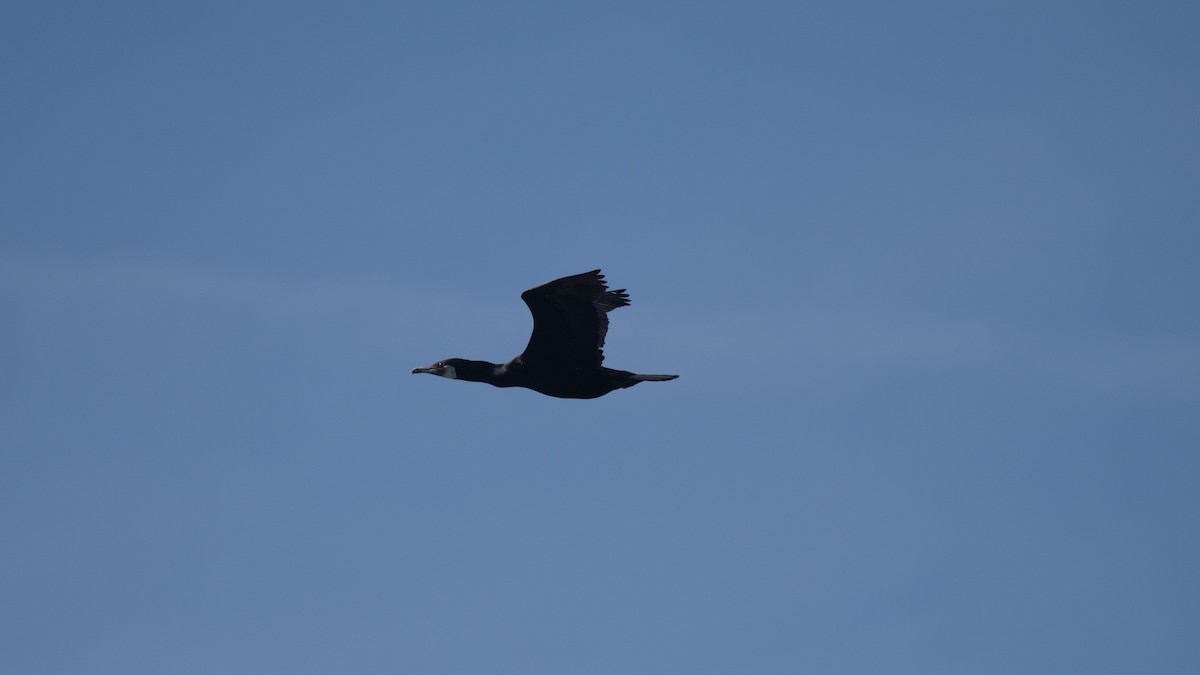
(565, 352)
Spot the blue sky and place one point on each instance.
(927, 271)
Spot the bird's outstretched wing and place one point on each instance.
(570, 320)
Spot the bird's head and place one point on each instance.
(445, 368)
(460, 369)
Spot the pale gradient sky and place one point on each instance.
(927, 272)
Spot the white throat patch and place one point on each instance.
(449, 372)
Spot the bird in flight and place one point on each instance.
(565, 352)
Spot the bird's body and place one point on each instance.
(565, 351)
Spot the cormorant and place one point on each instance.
(563, 357)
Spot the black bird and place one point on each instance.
(563, 357)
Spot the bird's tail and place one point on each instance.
(624, 378)
(652, 378)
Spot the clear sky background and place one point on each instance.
(929, 273)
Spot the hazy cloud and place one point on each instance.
(844, 339)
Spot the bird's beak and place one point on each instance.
(431, 369)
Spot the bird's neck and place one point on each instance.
(477, 371)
